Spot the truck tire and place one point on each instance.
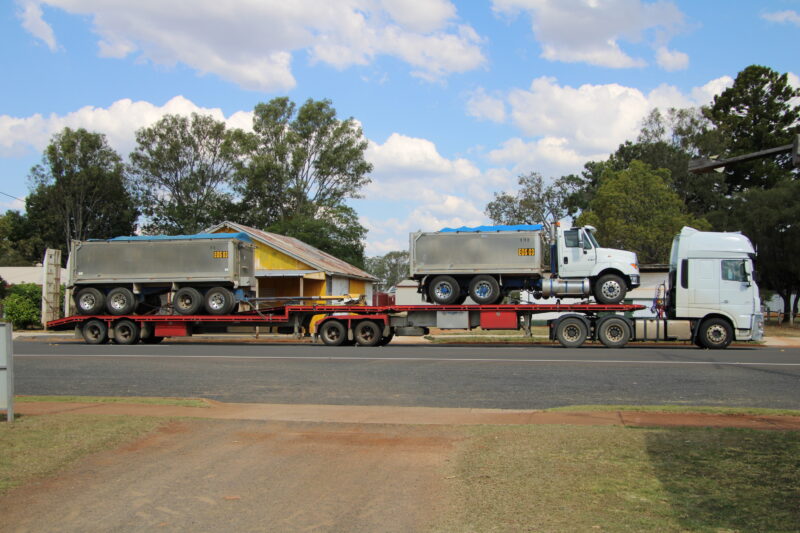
(610, 289)
(444, 290)
(126, 332)
(90, 301)
(571, 332)
(332, 333)
(219, 301)
(715, 334)
(120, 301)
(187, 301)
(613, 332)
(484, 290)
(95, 332)
(368, 333)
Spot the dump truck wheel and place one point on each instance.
(715, 334)
(333, 333)
(571, 332)
(90, 301)
(484, 290)
(126, 332)
(368, 333)
(609, 289)
(219, 301)
(613, 332)
(120, 301)
(95, 332)
(187, 301)
(444, 290)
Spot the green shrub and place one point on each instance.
(21, 311)
(31, 291)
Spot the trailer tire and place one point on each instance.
(187, 301)
(219, 301)
(332, 333)
(126, 332)
(368, 333)
(571, 332)
(120, 301)
(484, 290)
(613, 332)
(95, 332)
(90, 301)
(444, 290)
(610, 289)
(715, 333)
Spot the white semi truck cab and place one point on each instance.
(712, 284)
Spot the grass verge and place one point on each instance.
(38, 446)
(182, 402)
(679, 409)
(598, 478)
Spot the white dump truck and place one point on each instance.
(487, 262)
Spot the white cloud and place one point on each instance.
(118, 122)
(30, 13)
(671, 60)
(590, 31)
(482, 106)
(785, 17)
(550, 156)
(253, 43)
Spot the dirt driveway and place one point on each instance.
(240, 475)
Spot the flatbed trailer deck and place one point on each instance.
(363, 325)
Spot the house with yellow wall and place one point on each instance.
(287, 267)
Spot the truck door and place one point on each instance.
(704, 282)
(736, 290)
(578, 256)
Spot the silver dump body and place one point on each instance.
(225, 259)
(476, 252)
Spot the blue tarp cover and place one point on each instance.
(517, 227)
(240, 236)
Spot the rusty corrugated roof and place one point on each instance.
(299, 250)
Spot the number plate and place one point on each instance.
(220, 254)
(526, 251)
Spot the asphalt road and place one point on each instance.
(511, 377)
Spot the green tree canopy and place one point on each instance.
(20, 244)
(390, 269)
(79, 191)
(183, 170)
(635, 209)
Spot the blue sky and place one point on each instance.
(456, 98)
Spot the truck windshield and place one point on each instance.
(591, 238)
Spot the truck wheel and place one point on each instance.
(613, 332)
(484, 290)
(126, 332)
(609, 289)
(715, 334)
(219, 301)
(90, 301)
(332, 333)
(187, 301)
(95, 332)
(367, 333)
(571, 332)
(120, 301)
(444, 290)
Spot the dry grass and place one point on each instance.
(182, 402)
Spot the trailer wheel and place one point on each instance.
(367, 333)
(219, 301)
(610, 289)
(187, 301)
(95, 332)
(90, 301)
(332, 333)
(126, 332)
(571, 332)
(120, 301)
(484, 290)
(444, 290)
(613, 332)
(715, 334)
